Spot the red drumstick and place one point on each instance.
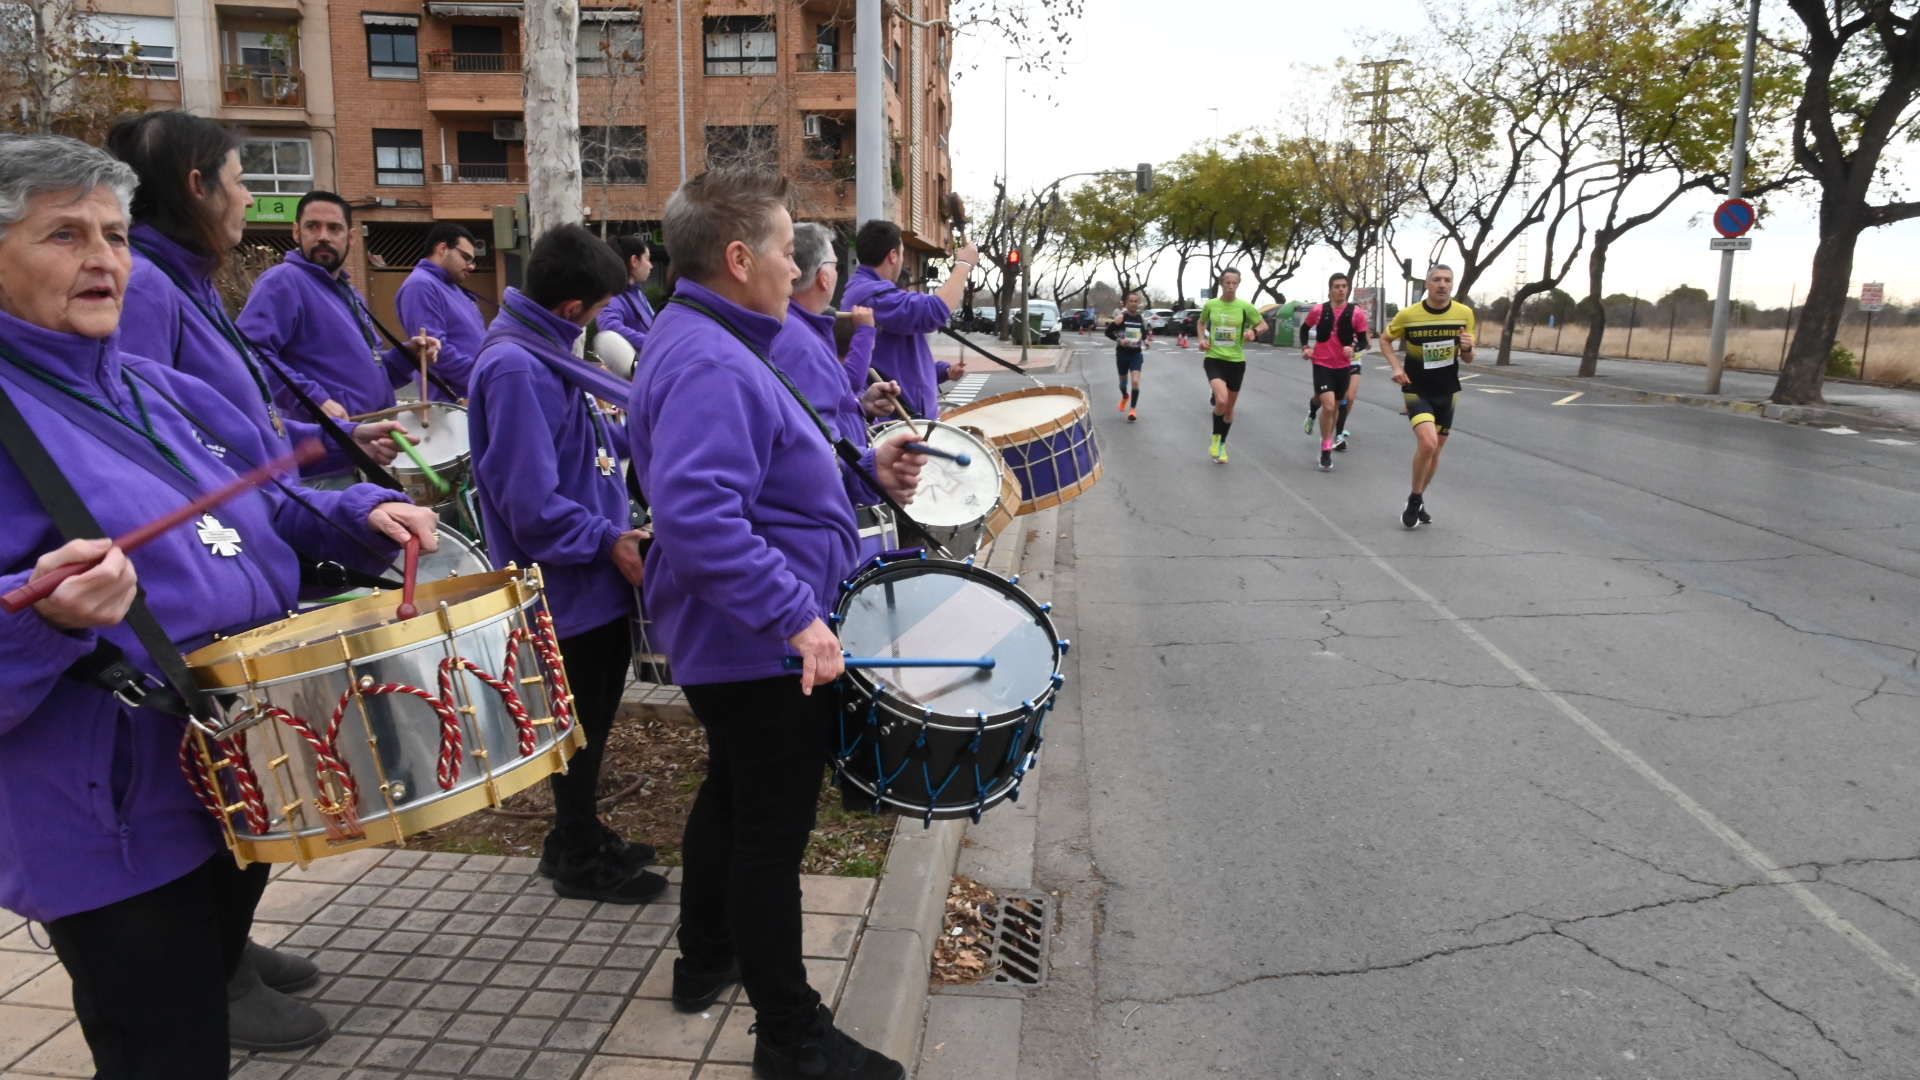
(406, 610)
(40, 588)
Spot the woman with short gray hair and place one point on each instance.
(101, 838)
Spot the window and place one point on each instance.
(893, 68)
(742, 45)
(148, 45)
(393, 51)
(277, 166)
(613, 155)
(608, 48)
(398, 159)
(261, 51)
(742, 145)
(826, 47)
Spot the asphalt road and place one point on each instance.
(1612, 771)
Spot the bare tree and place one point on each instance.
(57, 75)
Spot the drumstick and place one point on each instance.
(899, 407)
(957, 458)
(426, 469)
(410, 575)
(982, 663)
(423, 379)
(38, 589)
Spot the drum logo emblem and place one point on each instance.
(219, 539)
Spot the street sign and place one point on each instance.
(273, 208)
(1731, 243)
(1873, 296)
(1734, 217)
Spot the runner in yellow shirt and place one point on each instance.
(1226, 322)
(1437, 334)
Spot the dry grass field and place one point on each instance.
(1893, 356)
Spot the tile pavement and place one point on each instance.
(439, 965)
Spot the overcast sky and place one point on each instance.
(1145, 81)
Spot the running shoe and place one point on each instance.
(1306, 427)
(1222, 459)
(1326, 460)
(1340, 442)
(1425, 518)
(1214, 452)
(1123, 403)
(1410, 517)
(1132, 415)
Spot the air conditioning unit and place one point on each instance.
(506, 130)
(812, 125)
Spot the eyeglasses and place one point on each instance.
(467, 257)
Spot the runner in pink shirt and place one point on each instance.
(1333, 337)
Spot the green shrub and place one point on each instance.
(1841, 363)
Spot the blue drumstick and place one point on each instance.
(933, 451)
(984, 663)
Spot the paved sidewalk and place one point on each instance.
(454, 965)
(1685, 383)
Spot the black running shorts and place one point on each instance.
(1231, 372)
(1129, 359)
(1435, 409)
(1333, 381)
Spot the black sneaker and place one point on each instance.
(1425, 518)
(694, 991)
(630, 855)
(599, 877)
(1326, 460)
(822, 1052)
(1412, 516)
(1340, 442)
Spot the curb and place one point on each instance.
(1863, 416)
(884, 1002)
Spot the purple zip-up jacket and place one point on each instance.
(298, 315)
(859, 358)
(431, 299)
(537, 443)
(753, 532)
(174, 330)
(804, 349)
(901, 352)
(629, 314)
(93, 807)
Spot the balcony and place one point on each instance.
(479, 172)
(823, 80)
(464, 82)
(263, 93)
(824, 61)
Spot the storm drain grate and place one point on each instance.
(1020, 939)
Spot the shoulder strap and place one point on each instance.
(106, 666)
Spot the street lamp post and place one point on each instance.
(1736, 177)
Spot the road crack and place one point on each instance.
(1817, 1026)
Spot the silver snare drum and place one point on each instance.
(963, 506)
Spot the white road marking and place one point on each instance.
(1894, 442)
(1840, 431)
(1571, 398)
(1463, 378)
(1769, 867)
(965, 390)
(1492, 390)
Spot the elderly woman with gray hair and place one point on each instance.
(101, 838)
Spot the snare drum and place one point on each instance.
(347, 727)
(963, 506)
(441, 437)
(1045, 433)
(942, 742)
(456, 555)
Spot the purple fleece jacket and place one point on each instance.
(629, 314)
(301, 316)
(93, 807)
(901, 352)
(537, 441)
(804, 349)
(431, 299)
(753, 533)
(174, 314)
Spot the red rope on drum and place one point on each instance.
(340, 819)
(503, 685)
(206, 787)
(547, 644)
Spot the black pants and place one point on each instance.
(597, 665)
(150, 972)
(740, 898)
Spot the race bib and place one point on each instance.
(1438, 354)
(1225, 329)
(1131, 336)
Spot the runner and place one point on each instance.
(1226, 321)
(1438, 331)
(1335, 348)
(1130, 340)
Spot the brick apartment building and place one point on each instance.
(412, 109)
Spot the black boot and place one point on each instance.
(821, 1052)
(632, 855)
(281, 971)
(694, 990)
(262, 1018)
(594, 875)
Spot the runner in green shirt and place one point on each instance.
(1226, 322)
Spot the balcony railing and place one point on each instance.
(443, 61)
(479, 172)
(824, 60)
(814, 170)
(262, 86)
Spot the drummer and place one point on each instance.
(101, 838)
(906, 318)
(754, 535)
(306, 314)
(551, 493)
(630, 314)
(435, 301)
(190, 211)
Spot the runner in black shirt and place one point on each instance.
(1130, 339)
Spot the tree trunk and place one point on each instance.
(1520, 298)
(553, 114)
(1806, 365)
(1597, 314)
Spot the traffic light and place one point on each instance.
(1143, 178)
(1013, 257)
(1406, 269)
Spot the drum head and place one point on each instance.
(457, 555)
(437, 429)
(1006, 416)
(951, 494)
(935, 608)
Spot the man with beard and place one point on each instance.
(306, 314)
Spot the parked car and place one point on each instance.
(1184, 321)
(1157, 319)
(984, 318)
(1043, 317)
